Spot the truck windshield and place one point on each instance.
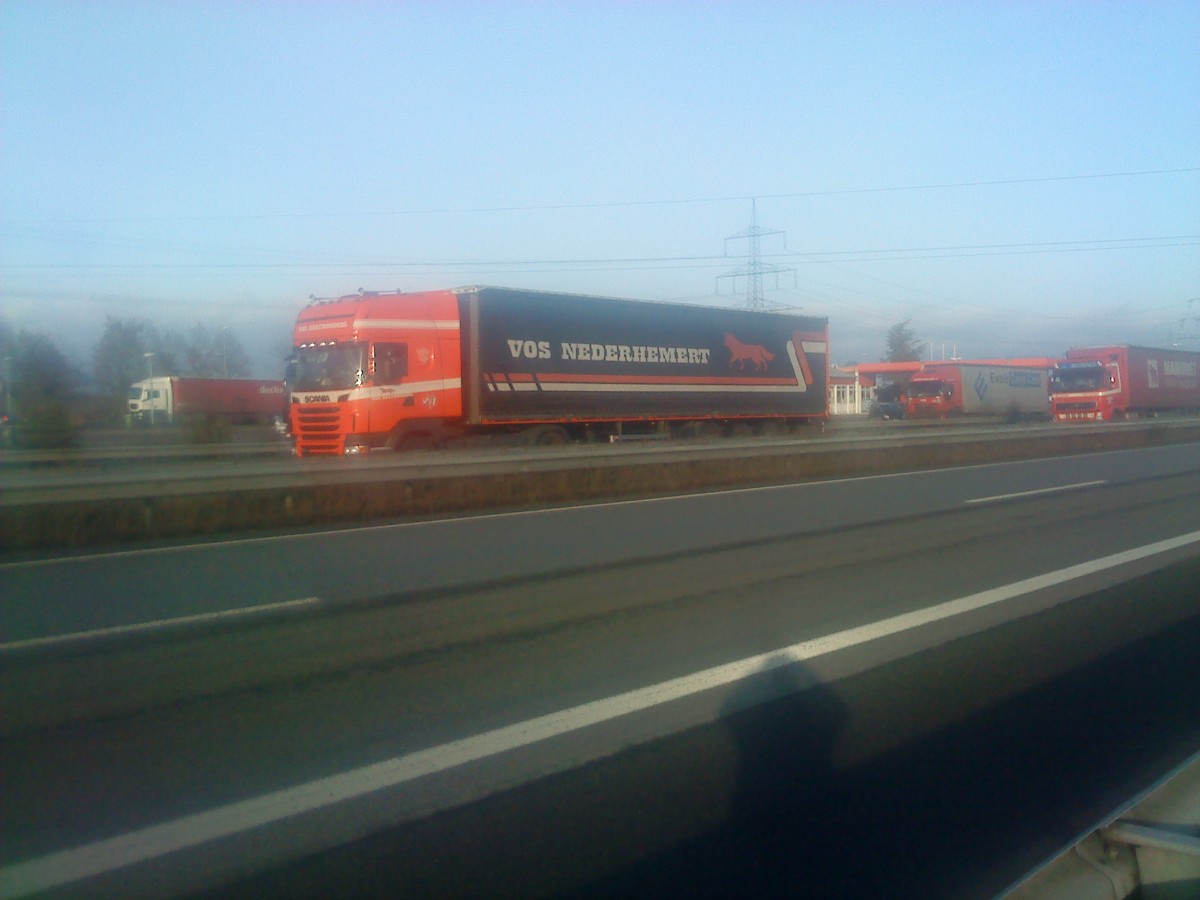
(332, 367)
(925, 388)
(135, 393)
(1067, 381)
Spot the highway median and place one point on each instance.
(341, 495)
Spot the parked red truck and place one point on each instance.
(168, 398)
(943, 389)
(1099, 384)
(419, 370)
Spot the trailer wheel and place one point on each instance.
(547, 436)
(773, 428)
(702, 430)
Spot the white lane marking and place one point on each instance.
(1049, 490)
(108, 855)
(199, 618)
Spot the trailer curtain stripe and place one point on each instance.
(497, 382)
(800, 366)
(562, 378)
(643, 388)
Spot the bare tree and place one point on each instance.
(41, 385)
(214, 353)
(120, 358)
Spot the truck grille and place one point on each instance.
(317, 430)
(1078, 411)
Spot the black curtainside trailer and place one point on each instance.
(530, 356)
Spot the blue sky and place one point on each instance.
(1015, 178)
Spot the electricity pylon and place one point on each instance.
(755, 268)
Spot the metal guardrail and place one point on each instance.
(111, 472)
(1149, 847)
(77, 506)
(858, 427)
(92, 456)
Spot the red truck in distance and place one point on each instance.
(404, 371)
(1099, 384)
(166, 399)
(987, 387)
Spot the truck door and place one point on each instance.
(391, 363)
(389, 372)
(423, 377)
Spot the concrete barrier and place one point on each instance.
(316, 500)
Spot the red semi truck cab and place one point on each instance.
(1088, 390)
(935, 394)
(1098, 384)
(363, 366)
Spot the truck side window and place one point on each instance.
(391, 363)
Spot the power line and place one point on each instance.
(615, 204)
(1091, 244)
(671, 262)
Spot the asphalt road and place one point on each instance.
(72, 594)
(762, 802)
(495, 667)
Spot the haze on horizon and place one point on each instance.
(1013, 178)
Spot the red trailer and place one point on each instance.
(1099, 384)
(167, 398)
